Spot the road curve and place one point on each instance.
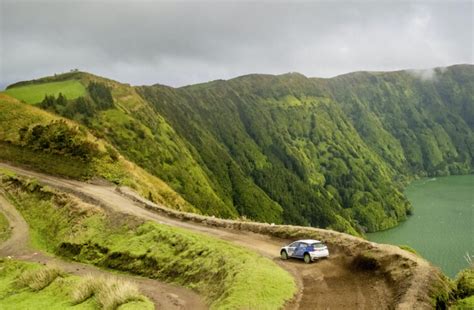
(326, 284)
(163, 295)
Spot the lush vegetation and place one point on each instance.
(227, 275)
(59, 138)
(32, 286)
(464, 289)
(421, 127)
(36, 92)
(331, 153)
(44, 141)
(4, 228)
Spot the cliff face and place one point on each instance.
(331, 153)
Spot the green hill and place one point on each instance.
(35, 93)
(47, 142)
(323, 152)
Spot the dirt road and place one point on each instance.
(326, 284)
(164, 296)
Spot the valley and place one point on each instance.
(332, 153)
(190, 192)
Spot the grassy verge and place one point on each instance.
(230, 277)
(4, 228)
(35, 93)
(31, 286)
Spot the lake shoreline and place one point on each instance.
(441, 225)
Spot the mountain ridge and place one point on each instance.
(286, 148)
(79, 72)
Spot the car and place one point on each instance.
(308, 250)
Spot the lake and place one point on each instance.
(441, 228)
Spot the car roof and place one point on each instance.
(309, 241)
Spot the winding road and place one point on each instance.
(163, 295)
(326, 284)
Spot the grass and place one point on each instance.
(38, 279)
(230, 277)
(466, 303)
(53, 296)
(26, 285)
(35, 93)
(409, 249)
(4, 228)
(108, 164)
(110, 293)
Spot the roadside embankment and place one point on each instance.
(415, 282)
(226, 275)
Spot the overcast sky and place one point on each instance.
(179, 43)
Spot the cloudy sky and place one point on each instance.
(179, 43)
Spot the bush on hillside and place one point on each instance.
(101, 95)
(60, 139)
(83, 107)
(465, 283)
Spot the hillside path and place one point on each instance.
(325, 284)
(163, 295)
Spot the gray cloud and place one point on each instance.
(177, 43)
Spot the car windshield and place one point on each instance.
(318, 245)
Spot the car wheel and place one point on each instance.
(307, 258)
(284, 255)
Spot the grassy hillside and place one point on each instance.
(323, 152)
(47, 142)
(32, 286)
(226, 275)
(421, 127)
(33, 94)
(314, 145)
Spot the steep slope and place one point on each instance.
(419, 126)
(300, 152)
(115, 112)
(323, 152)
(47, 142)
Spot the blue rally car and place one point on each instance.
(309, 250)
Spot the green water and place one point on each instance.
(441, 228)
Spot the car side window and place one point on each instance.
(302, 245)
(294, 245)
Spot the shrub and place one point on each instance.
(60, 139)
(101, 95)
(465, 283)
